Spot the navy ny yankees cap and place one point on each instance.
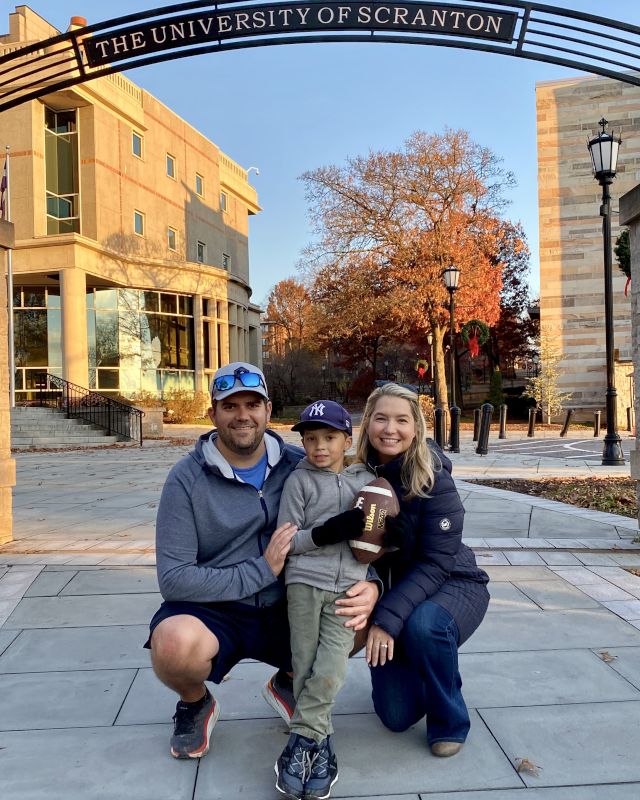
(324, 412)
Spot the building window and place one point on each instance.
(201, 256)
(199, 185)
(138, 222)
(226, 261)
(136, 144)
(224, 201)
(171, 166)
(37, 337)
(172, 239)
(62, 176)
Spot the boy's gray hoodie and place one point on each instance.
(310, 496)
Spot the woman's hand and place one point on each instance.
(379, 646)
(358, 604)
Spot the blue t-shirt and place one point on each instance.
(255, 474)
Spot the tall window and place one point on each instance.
(171, 166)
(224, 201)
(62, 178)
(226, 261)
(136, 144)
(172, 239)
(199, 185)
(138, 222)
(201, 253)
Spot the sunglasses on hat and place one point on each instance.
(249, 380)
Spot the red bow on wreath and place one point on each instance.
(474, 346)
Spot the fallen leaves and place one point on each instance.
(606, 656)
(524, 765)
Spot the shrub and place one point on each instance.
(426, 406)
(362, 386)
(146, 400)
(183, 406)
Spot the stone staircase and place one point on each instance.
(35, 427)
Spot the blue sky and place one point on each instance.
(293, 108)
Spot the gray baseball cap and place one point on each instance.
(238, 377)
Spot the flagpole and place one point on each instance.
(12, 358)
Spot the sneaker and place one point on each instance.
(294, 766)
(324, 772)
(278, 692)
(193, 723)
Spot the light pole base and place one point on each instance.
(612, 455)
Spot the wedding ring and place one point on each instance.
(385, 646)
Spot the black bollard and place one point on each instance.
(454, 433)
(629, 419)
(440, 423)
(476, 424)
(503, 422)
(485, 424)
(567, 422)
(532, 422)
(596, 422)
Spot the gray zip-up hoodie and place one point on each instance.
(212, 529)
(310, 496)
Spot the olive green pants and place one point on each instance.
(320, 647)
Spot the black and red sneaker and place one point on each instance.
(193, 723)
(278, 692)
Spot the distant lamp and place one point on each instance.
(604, 148)
(253, 169)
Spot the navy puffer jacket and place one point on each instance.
(442, 564)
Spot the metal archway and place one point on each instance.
(521, 29)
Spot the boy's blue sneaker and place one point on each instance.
(293, 768)
(324, 772)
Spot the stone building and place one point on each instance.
(131, 268)
(571, 245)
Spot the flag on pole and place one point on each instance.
(3, 191)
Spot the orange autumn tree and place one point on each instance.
(409, 214)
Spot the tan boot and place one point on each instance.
(446, 749)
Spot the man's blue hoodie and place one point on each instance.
(212, 529)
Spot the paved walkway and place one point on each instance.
(552, 676)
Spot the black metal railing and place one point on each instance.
(118, 419)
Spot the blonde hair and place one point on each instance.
(420, 463)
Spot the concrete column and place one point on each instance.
(630, 215)
(198, 343)
(73, 296)
(7, 464)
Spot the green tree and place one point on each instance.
(544, 387)
(496, 395)
(623, 252)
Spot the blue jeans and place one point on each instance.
(423, 678)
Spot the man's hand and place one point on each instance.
(358, 604)
(278, 547)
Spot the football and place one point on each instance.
(378, 501)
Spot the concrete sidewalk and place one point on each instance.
(83, 718)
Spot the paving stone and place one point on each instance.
(6, 637)
(627, 609)
(106, 581)
(33, 762)
(610, 791)
(474, 541)
(566, 544)
(578, 576)
(496, 558)
(532, 543)
(595, 560)
(621, 578)
(557, 558)
(403, 763)
(524, 557)
(53, 649)
(555, 595)
(605, 592)
(62, 699)
(493, 680)
(15, 582)
(506, 597)
(562, 525)
(551, 630)
(81, 611)
(520, 573)
(49, 584)
(574, 744)
(626, 662)
(626, 559)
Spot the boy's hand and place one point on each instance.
(341, 528)
(278, 547)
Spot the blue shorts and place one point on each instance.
(243, 631)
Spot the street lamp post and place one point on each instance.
(431, 370)
(603, 148)
(451, 277)
(386, 370)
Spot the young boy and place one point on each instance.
(317, 498)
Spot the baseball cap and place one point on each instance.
(324, 412)
(238, 377)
